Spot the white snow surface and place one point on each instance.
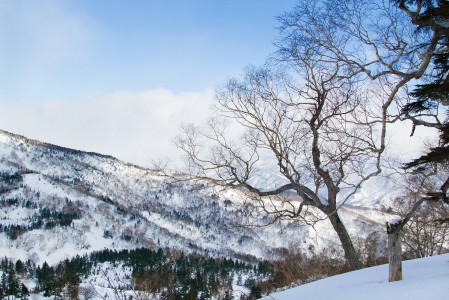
(425, 278)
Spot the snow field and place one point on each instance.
(426, 278)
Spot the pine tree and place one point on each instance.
(19, 267)
(3, 282)
(46, 279)
(433, 16)
(24, 292)
(12, 283)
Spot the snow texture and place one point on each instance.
(426, 278)
(139, 207)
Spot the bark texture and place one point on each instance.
(351, 255)
(394, 251)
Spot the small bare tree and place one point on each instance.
(426, 231)
(87, 292)
(422, 225)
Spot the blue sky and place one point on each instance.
(66, 49)
(119, 77)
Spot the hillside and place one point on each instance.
(425, 278)
(58, 202)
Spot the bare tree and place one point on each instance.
(375, 40)
(88, 292)
(425, 232)
(379, 42)
(422, 233)
(324, 126)
(316, 128)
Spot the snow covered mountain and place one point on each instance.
(57, 202)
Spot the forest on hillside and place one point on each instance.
(146, 274)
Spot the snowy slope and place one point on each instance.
(120, 205)
(426, 278)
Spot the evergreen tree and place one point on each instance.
(24, 292)
(12, 284)
(19, 267)
(46, 279)
(428, 97)
(3, 283)
(4, 264)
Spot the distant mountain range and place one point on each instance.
(57, 202)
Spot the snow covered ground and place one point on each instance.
(426, 278)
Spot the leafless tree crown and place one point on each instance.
(319, 110)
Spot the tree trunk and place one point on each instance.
(351, 255)
(394, 251)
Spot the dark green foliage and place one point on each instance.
(24, 292)
(46, 278)
(19, 267)
(45, 219)
(171, 275)
(438, 155)
(107, 234)
(9, 202)
(429, 96)
(10, 178)
(10, 282)
(8, 181)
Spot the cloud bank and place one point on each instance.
(135, 127)
(140, 127)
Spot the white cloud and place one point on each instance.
(406, 147)
(135, 127)
(140, 127)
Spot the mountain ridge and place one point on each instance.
(65, 149)
(120, 205)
